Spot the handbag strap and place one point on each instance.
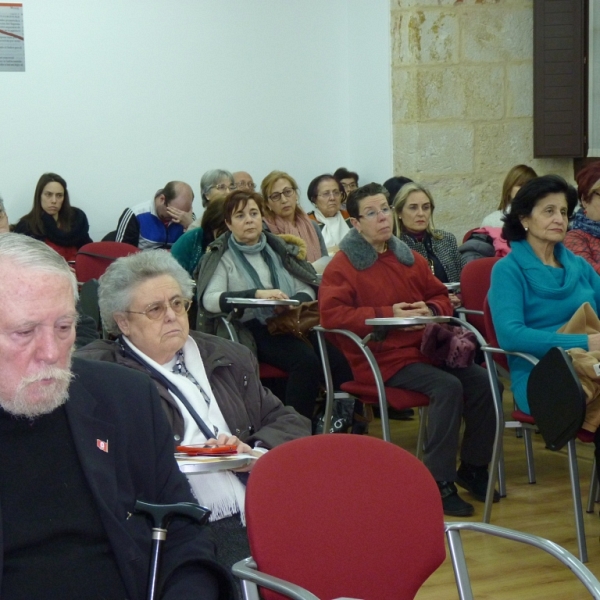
(155, 374)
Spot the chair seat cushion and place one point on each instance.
(398, 398)
(519, 415)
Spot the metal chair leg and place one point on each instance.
(529, 454)
(576, 490)
(594, 489)
(501, 477)
(422, 436)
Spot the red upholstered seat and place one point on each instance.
(360, 518)
(474, 285)
(519, 415)
(266, 371)
(93, 259)
(397, 398)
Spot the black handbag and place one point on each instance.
(556, 398)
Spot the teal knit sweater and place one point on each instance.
(530, 301)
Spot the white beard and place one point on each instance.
(49, 399)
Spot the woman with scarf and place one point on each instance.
(584, 237)
(538, 287)
(283, 214)
(209, 387)
(249, 263)
(413, 215)
(53, 220)
(325, 193)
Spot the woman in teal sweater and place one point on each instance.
(536, 288)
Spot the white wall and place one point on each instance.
(121, 97)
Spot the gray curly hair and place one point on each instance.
(117, 285)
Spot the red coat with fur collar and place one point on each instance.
(360, 284)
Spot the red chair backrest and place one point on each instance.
(469, 233)
(361, 518)
(491, 338)
(93, 259)
(474, 285)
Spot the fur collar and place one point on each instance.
(362, 255)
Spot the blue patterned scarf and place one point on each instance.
(584, 223)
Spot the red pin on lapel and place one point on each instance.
(102, 445)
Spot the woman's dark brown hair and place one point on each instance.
(237, 200)
(65, 214)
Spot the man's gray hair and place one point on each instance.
(118, 283)
(29, 253)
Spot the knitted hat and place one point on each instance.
(586, 178)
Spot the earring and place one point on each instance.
(526, 228)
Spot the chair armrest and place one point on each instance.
(587, 578)
(493, 350)
(362, 345)
(246, 570)
(468, 311)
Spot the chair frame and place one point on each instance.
(496, 466)
(459, 564)
(247, 569)
(379, 383)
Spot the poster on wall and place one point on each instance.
(12, 40)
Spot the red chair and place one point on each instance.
(362, 518)
(474, 285)
(527, 424)
(93, 259)
(378, 393)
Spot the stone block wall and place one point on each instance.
(462, 101)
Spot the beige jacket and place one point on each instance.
(586, 363)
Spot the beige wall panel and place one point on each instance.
(433, 148)
(496, 34)
(471, 92)
(425, 37)
(405, 96)
(519, 91)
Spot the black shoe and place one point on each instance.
(454, 505)
(475, 480)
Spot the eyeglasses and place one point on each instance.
(276, 196)
(223, 186)
(157, 310)
(349, 187)
(249, 185)
(372, 214)
(330, 194)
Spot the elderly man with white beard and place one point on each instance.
(82, 441)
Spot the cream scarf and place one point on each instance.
(223, 493)
(334, 228)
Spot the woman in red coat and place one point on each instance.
(376, 275)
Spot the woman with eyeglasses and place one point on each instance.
(413, 215)
(376, 275)
(584, 237)
(208, 386)
(53, 220)
(325, 193)
(248, 262)
(216, 183)
(283, 214)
